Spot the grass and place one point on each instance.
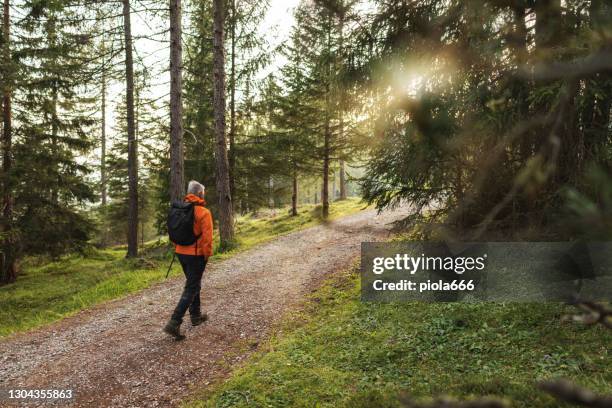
(253, 230)
(341, 352)
(48, 291)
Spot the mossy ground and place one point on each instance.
(343, 352)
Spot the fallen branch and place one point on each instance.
(594, 313)
(566, 391)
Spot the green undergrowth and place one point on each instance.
(341, 352)
(47, 291)
(252, 230)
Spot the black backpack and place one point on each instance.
(180, 223)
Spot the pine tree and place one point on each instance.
(55, 124)
(8, 271)
(226, 215)
(198, 112)
(320, 46)
(495, 135)
(295, 118)
(177, 180)
(147, 136)
(132, 232)
(248, 54)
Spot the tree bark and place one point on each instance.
(9, 261)
(54, 141)
(294, 194)
(103, 139)
(327, 135)
(334, 185)
(232, 130)
(342, 176)
(132, 233)
(103, 188)
(54, 101)
(177, 178)
(325, 187)
(341, 112)
(520, 49)
(271, 193)
(226, 216)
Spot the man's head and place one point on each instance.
(196, 189)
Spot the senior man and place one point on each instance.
(193, 259)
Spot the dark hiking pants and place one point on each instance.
(193, 267)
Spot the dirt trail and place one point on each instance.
(116, 354)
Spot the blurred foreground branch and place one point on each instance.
(600, 62)
(445, 402)
(569, 392)
(594, 313)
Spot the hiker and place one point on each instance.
(193, 254)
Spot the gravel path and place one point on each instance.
(115, 354)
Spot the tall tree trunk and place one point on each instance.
(271, 193)
(521, 89)
(103, 187)
(334, 192)
(226, 216)
(327, 135)
(341, 110)
(132, 236)
(519, 46)
(54, 130)
(177, 178)
(244, 201)
(142, 233)
(9, 253)
(232, 130)
(342, 176)
(294, 194)
(54, 141)
(325, 186)
(548, 26)
(548, 34)
(54, 118)
(103, 138)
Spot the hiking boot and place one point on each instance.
(173, 328)
(198, 319)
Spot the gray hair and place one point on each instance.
(195, 188)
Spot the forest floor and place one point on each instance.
(115, 354)
(341, 352)
(48, 290)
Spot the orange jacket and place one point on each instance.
(202, 226)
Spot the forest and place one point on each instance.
(491, 118)
(316, 126)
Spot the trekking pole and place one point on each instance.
(170, 267)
